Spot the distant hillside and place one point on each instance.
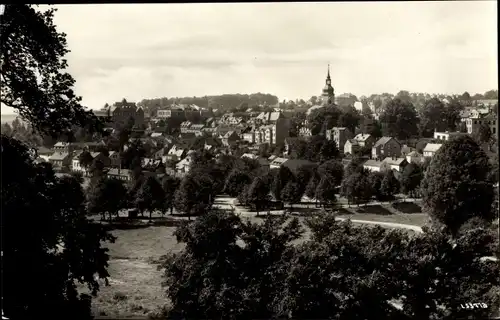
(224, 102)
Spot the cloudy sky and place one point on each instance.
(155, 50)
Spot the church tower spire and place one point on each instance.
(328, 95)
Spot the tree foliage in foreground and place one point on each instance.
(33, 79)
(456, 186)
(48, 244)
(232, 269)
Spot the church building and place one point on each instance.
(328, 95)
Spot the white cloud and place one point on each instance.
(153, 50)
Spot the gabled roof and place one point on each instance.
(394, 161)
(183, 163)
(163, 151)
(432, 147)
(373, 163)
(278, 161)
(77, 154)
(382, 141)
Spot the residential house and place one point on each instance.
(386, 147)
(397, 164)
(231, 119)
(175, 153)
(222, 129)
(340, 135)
(304, 130)
(373, 165)
(474, 123)
(150, 162)
(466, 113)
(183, 166)
(185, 125)
(120, 174)
(274, 133)
(230, 138)
(75, 163)
(114, 158)
(249, 136)
(122, 111)
(364, 140)
(60, 160)
(431, 149)
(351, 146)
(196, 129)
(269, 117)
(277, 162)
(170, 113)
(445, 136)
(101, 157)
(63, 147)
(414, 157)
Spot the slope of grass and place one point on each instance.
(135, 290)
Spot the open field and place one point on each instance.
(135, 283)
(135, 289)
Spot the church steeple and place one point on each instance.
(328, 95)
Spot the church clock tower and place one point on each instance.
(328, 95)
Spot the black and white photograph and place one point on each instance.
(264, 160)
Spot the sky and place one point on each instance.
(140, 51)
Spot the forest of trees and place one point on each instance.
(221, 102)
